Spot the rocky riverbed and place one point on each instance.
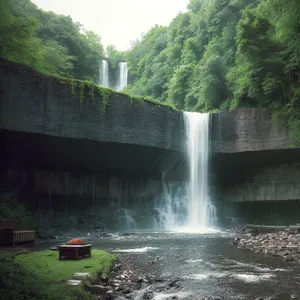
(195, 266)
(126, 284)
(285, 244)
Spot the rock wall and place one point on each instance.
(255, 170)
(64, 201)
(268, 195)
(46, 126)
(248, 129)
(280, 183)
(33, 103)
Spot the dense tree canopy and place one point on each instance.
(224, 54)
(218, 55)
(48, 42)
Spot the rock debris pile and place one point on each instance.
(125, 285)
(285, 244)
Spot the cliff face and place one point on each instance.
(34, 103)
(255, 169)
(248, 129)
(97, 158)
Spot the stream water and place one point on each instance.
(207, 265)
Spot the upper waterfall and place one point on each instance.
(103, 73)
(122, 76)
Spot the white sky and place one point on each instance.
(117, 21)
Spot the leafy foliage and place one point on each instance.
(224, 54)
(219, 54)
(12, 209)
(50, 43)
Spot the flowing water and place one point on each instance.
(103, 73)
(122, 76)
(207, 265)
(197, 128)
(187, 208)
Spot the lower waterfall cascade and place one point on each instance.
(187, 206)
(160, 204)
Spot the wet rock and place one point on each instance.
(173, 283)
(117, 267)
(148, 295)
(95, 289)
(108, 296)
(104, 278)
(126, 291)
(289, 259)
(138, 286)
(280, 243)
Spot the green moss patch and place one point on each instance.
(81, 88)
(41, 275)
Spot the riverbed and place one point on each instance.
(205, 265)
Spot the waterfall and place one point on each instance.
(199, 208)
(171, 206)
(122, 76)
(126, 222)
(103, 73)
(186, 207)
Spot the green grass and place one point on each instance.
(41, 275)
(46, 265)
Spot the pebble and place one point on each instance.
(283, 244)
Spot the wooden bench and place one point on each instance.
(11, 235)
(23, 236)
(74, 251)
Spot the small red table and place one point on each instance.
(74, 251)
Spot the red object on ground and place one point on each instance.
(76, 242)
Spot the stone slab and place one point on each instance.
(80, 276)
(73, 282)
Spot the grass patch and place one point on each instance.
(41, 275)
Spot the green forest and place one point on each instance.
(218, 55)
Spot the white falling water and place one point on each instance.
(126, 222)
(103, 73)
(171, 207)
(199, 207)
(122, 76)
(186, 207)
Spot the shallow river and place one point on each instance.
(207, 266)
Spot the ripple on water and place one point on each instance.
(193, 261)
(196, 277)
(195, 230)
(252, 278)
(163, 296)
(255, 267)
(137, 250)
